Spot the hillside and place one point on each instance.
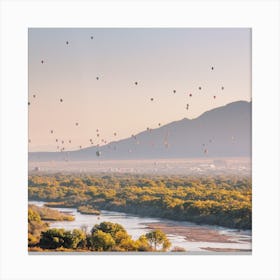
(221, 132)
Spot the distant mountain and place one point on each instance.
(221, 132)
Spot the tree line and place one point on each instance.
(216, 200)
(103, 237)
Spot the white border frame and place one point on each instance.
(17, 16)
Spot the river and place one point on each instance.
(190, 236)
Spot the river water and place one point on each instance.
(136, 226)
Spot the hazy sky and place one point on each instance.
(159, 60)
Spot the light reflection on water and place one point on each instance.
(136, 226)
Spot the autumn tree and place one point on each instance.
(158, 240)
(101, 241)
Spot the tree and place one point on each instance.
(33, 216)
(108, 227)
(122, 241)
(52, 238)
(56, 238)
(35, 226)
(75, 239)
(143, 244)
(102, 241)
(158, 240)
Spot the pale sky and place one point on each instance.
(160, 60)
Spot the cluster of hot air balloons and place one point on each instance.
(103, 141)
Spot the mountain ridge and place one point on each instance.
(221, 132)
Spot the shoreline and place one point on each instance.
(196, 233)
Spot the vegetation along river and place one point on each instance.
(190, 236)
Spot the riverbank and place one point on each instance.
(191, 237)
(197, 233)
